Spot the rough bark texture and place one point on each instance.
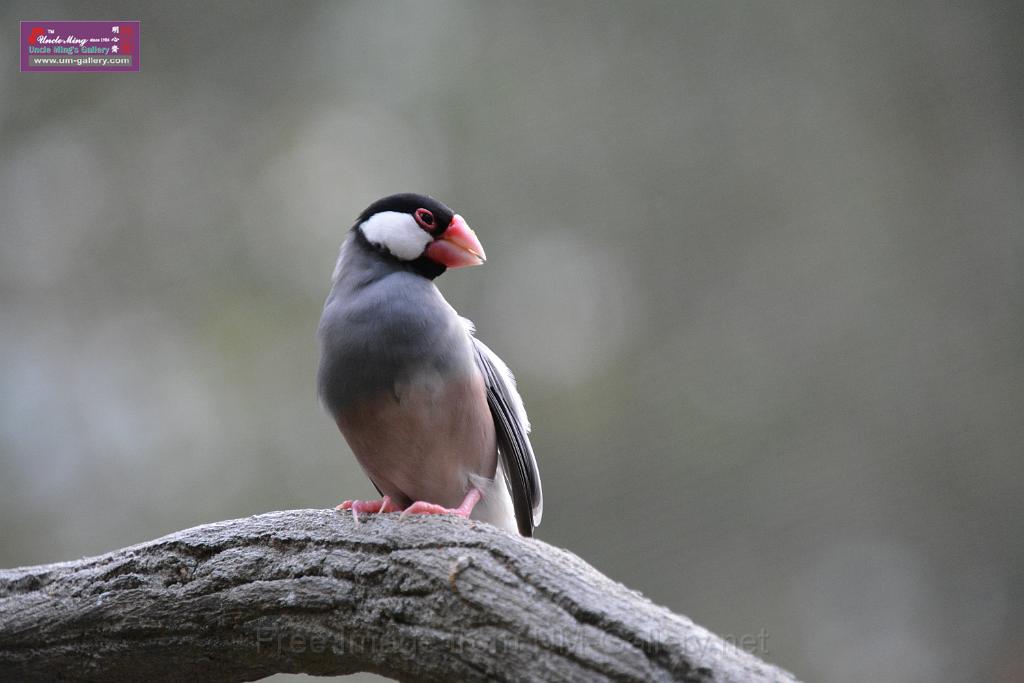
(425, 598)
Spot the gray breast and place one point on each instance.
(385, 333)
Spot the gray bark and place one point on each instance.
(426, 598)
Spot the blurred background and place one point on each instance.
(757, 267)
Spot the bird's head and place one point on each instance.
(421, 232)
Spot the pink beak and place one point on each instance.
(457, 247)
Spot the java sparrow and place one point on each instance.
(431, 414)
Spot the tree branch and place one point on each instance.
(427, 598)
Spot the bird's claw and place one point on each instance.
(369, 506)
(422, 507)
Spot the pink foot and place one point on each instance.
(369, 506)
(422, 507)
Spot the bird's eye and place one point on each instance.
(425, 219)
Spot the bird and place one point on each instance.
(432, 415)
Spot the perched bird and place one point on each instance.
(431, 414)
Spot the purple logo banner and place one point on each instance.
(80, 45)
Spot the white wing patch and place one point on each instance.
(397, 232)
(496, 505)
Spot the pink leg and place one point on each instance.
(422, 507)
(371, 506)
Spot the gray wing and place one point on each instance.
(511, 427)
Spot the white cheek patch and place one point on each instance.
(397, 232)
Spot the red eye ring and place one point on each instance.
(425, 219)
